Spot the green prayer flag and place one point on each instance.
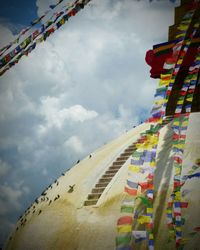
(180, 99)
(145, 201)
(126, 209)
(123, 240)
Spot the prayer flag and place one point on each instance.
(123, 240)
(139, 234)
(131, 191)
(124, 228)
(126, 209)
(135, 169)
(132, 184)
(125, 220)
(144, 219)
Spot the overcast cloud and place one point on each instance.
(87, 84)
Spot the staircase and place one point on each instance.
(106, 178)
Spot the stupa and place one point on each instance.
(141, 190)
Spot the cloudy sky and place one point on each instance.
(87, 84)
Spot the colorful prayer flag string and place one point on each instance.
(29, 43)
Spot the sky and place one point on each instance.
(86, 85)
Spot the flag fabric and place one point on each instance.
(125, 220)
(131, 191)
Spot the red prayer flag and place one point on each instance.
(193, 71)
(183, 53)
(153, 119)
(72, 13)
(144, 185)
(178, 159)
(182, 136)
(150, 185)
(131, 191)
(125, 220)
(170, 204)
(150, 176)
(175, 137)
(183, 92)
(177, 214)
(184, 204)
(191, 91)
(168, 92)
(177, 115)
(149, 225)
(7, 57)
(177, 184)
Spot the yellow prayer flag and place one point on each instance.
(172, 80)
(180, 35)
(151, 236)
(178, 229)
(147, 146)
(176, 123)
(165, 75)
(194, 77)
(159, 102)
(177, 171)
(169, 210)
(180, 102)
(189, 99)
(180, 61)
(133, 168)
(180, 146)
(164, 82)
(149, 210)
(178, 195)
(148, 137)
(185, 123)
(124, 228)
(155, 139)
(187, 80)
(183, 27)
(144, 219)
(152, 164)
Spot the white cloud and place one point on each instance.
(9, 199)
(55, 115)
(6, 36)
(4, 168)
(43, 6)
(75, 144)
